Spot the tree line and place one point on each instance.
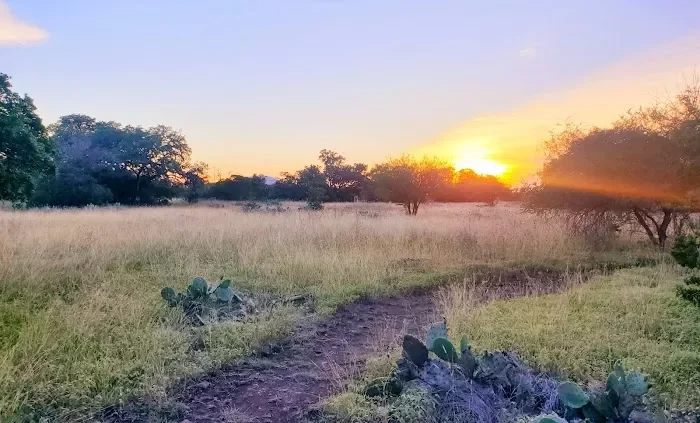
(404, 181)
(80, 161)
(643, 170)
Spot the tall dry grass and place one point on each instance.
(82, 323)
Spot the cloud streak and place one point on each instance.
(16, 32)
(528, 52)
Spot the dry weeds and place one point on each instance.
(81, 316)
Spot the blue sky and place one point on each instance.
(262, 86)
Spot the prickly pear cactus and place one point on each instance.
(198, 288)
(169, 296)
(467, 361)
(604, 405)
(636, 384)
(444, 349)
(626, 390)
(203, 303)
(572, 395)
(224, 293)
(438, 330)
(415, 350)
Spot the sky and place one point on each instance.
(262, 86)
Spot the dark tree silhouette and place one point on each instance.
(409, 182)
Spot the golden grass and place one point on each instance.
(83, 324)
(631, 315)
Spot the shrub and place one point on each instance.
(275, 206)
(251, 206)
(689, 293)
(686, 251)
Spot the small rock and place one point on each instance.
(639, 417)
(203, 385)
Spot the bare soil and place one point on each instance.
(286, 379)
(283, 381)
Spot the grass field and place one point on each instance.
(632, 315)
(82, 324)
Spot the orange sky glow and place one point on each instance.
(508, 144)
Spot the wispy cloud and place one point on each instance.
(16, 32)
(530, 51)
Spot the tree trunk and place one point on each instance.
(657, 232)
(663, 228)
(137, 197)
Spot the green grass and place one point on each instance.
(632, 315)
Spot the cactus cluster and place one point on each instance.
(622, 394)
(479, 388)
(203, 302)
(437, 342)
(686, 251)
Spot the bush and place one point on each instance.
(314, 205)
(251, 206)
(686, 251)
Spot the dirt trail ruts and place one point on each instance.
(305, 368)
(286, 379)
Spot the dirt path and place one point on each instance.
(306, 368)
(286, 379)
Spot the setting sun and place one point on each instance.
(476, 158)
(481, 166)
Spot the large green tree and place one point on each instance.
(25, 148)
(104, 162)
(346, 182)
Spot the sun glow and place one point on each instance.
(477, 159)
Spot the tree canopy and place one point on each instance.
(25, 149)
(644, 169)
(345, 182)
(468, 186)
(410, 182)
(239, 188)
(104, 162)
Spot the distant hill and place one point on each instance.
(269, 180)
